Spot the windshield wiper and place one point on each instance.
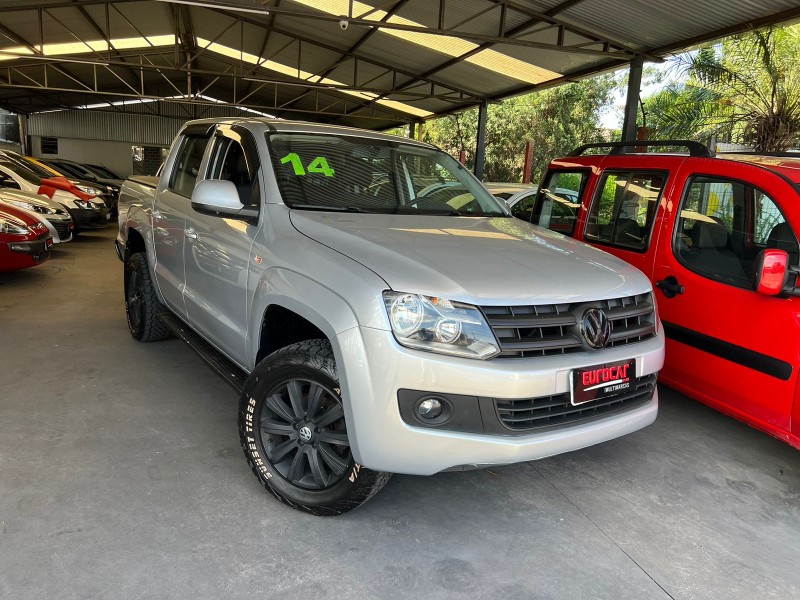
(354, 209)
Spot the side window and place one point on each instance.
(559, 200)
(624, 209)
(187, 165)
(523, 208)
(230, 162)
(724, 224)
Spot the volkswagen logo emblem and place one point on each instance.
(595, 328)
(305, 434)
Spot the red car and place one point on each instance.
(24, 240)
(718, 236)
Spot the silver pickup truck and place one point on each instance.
(378, 309)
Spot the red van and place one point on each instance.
(718, 236)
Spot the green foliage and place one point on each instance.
(746, 90)
(555, 120)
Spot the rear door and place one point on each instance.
(217, 249)
(726, 344)
(171, 207)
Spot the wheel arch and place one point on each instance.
(281, 308)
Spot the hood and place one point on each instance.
(479, 260)
(30, 197)
(18, 215)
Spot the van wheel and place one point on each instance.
(142, 306)
(294, 435)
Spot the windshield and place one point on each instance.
(40, 171)
(22, 170)
(102, 172)
(67, 169)
(348, 173)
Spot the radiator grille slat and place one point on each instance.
(550, 329)
(535, 413)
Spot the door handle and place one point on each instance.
(670, 286)
(190, 234)
(156, 214)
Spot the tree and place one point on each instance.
(746, 90)
(555, 120)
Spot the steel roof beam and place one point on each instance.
(464, 35)
(360, 57)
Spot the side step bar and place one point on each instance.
(225, 368)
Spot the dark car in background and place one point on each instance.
(77, 175)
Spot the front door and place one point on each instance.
(217, 249)
(727, 345)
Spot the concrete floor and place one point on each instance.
(121, 476)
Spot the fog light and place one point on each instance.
(430, 408)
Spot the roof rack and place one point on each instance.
(695, 148)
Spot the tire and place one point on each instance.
(142, 307)
(293, 433)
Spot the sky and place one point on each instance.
(612, 117)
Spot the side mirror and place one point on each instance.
(220, 198)
(772, 272)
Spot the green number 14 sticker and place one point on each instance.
(318, 165)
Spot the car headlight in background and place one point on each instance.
(439, 325)
(7, 226)
(32, 207)
(87, 204)
(89, 190)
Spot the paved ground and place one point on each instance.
(121, 477)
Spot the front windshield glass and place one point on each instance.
(23, 171)
(102, 172)
(348, 173)
(40, 171)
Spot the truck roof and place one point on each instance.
(281, 125)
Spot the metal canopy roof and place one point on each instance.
(371, 63)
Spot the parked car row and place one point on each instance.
(42, 205)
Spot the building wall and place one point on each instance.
(117, 156)
(9, 146)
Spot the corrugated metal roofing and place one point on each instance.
(396, 61)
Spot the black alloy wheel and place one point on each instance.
(134, 298)
(142, 306)
(303, 433)
(293, 432)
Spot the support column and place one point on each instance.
(480, 146)
(412, 130)
(632, 101)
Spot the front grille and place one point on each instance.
(547, 329)
(62, 228)
(549, 411)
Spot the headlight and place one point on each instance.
(439, 325)
(86, 204)
(7, 226)
(32, 207)
(89, 190)
(21, 204)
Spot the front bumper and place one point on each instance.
(373, 368)
(86, 218)
(38, 250)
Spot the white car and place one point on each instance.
(51, 213)
(87, 214)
